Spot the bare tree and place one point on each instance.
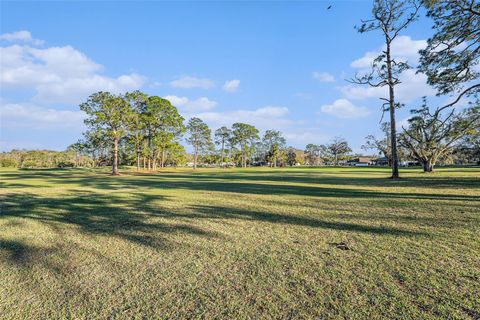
(390, 17)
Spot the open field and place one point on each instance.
(239, 244)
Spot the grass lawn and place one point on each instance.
(237, 244)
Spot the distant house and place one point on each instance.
(361, 162)
(382, 161)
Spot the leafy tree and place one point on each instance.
(136, 124)
(96, 144)
(272, 155)
(452, 55)
(245, 136)
(431, 135)
(163, 125)
(291, 156)
(312, 153)
(390, 17)
(175, 154)
(273, 142)
(200, 137)
(222, 137)
(111, 114)
(338, 148)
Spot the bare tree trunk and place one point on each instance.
(195, 158)
(163, 158)
(138, 160)
(221, 160)
(393, 125)
(115, 157)
(427, 166)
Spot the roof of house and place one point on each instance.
(362, 159)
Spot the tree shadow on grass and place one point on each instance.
(265, 184)
(188, 183)
(99, 214)
(218, 212)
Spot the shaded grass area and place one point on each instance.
(238, 243)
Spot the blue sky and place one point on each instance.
(277, 65)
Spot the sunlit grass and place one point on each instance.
(251, 243)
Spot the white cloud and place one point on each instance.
(13, 115)
(188, 82)
(76, 90)
(263, 118)
(403, 49)
(187, 105)
(231, 85)
(59, 74)
(342, 108)
(412, 86)
(20, 36)
(305, 136)
(323, 76)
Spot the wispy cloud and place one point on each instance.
(323, 76)
(344, 109)
(20, 36)
(231, 85)
(187, 105)
(188, 82)
(14, 115)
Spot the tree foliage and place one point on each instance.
(109, 113)
(338, 148)
(199, 137)
(452, 55)
(222, 137)
(244, 135)
(433, 134)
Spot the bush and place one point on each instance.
(66, 164)
(8, 162)
(29, 164)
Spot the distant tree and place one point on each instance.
(245, 136)
(291, 156)
(380, 145)
(432, 135)
(111, 114)
(453, 52)
(467, 150)
(222, 137)
(273, 142)
(199, 137)
(390, 17)
(78, 148)
(337, 148)
(312, 153)
(175, 154)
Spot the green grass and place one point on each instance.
(238, 244)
